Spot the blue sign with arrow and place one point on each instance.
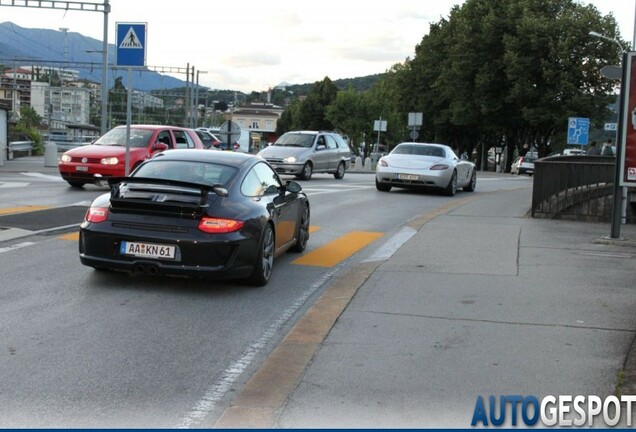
(578, 130)
(131, 45)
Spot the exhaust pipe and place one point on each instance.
(152, 270)
(139, 268)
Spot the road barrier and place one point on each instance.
(19, 147)
(573, 187)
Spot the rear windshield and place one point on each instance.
(117, 137)
(188, 171)
(420, 150)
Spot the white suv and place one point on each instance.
(303, 153)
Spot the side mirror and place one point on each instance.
(293, 187)
(159, 146)
(321, 146)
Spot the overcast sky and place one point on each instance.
(256, 44)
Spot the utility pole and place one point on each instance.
(186, 106)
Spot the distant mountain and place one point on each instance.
(25, 47)
(43, 47)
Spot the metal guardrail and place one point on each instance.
(575, 187)
(19, 146)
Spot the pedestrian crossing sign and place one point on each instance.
(131, 45)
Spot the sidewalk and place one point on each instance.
(482, 300)
(27, 164)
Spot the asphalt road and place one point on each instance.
(88, 349)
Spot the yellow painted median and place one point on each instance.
(338, 250)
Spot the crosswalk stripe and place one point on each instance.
(330, 254)
(23, 209)
(71, 236)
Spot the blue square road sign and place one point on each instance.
(131, 45)
(578, 130)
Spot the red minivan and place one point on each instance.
(107, 155)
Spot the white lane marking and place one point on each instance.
(608, 254)
(229, 376)
(318, 191)
(13, 184)
(16, 246)
(43, 176)
(389, 247)
(514, 178)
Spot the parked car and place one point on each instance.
(303, 153)
(421, 165)
(209, 141)
(523, 165)
(196, 213)
(107, 155)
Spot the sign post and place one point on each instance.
(380, 126)
(230, 132)
(131, 53)
(415, 121)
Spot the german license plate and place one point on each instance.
(408, 177)
(147, 250)
(81, 168)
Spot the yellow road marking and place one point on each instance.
(338, 250)
(313, 228)
(24, 209)
(70, 236)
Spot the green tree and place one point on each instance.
(312, 111)
(117, 99)
(27, 128)
(513, 68)
(347, 114)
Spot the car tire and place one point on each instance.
(451, 189)
(382, 187)
(264, 259)
(340, 172)
(302, 235)
(306, 172)
(470, 187)
(76, 184)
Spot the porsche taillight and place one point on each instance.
(213, 225)
(96, 214)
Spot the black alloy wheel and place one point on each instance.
(265, 259)
(302, 236)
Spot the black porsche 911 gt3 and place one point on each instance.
(196, 213)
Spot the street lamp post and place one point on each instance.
(618, 209)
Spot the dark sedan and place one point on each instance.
(196, 213)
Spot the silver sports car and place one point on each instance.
(422, 165)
